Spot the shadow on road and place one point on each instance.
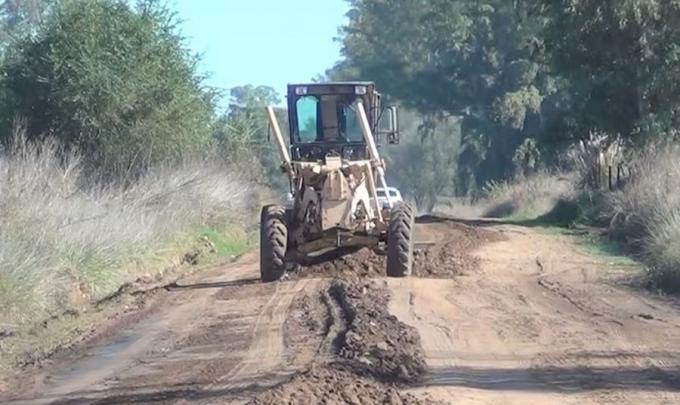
(557, 379)
(478, 222)
(162, 394)
(217, 284)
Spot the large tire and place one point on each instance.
(400, 241)
(273, 243)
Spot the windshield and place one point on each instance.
(351, 128)
(327, 118)
(380, 193)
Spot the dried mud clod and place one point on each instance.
(324, 385)
(372, 353)
(376, 343)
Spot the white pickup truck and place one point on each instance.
(395, 195)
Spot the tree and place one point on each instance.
(116, 83)
(622, 62)
(464, 58)
(422, 166)
(241, 130)
(18, 17)
(241, 133)
(250, 100)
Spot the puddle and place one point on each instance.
(99, 362)
(97, 358)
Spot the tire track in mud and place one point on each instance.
(213, 336)
(266, 351)
(336, 326)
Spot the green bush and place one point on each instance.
(115, 82)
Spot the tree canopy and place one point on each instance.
(527, 79)
(113, 81)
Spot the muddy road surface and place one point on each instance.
(494, 314)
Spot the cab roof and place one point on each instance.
(330, 88)
(355, 83)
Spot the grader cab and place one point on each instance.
(333, 166)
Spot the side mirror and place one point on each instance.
(393, 125)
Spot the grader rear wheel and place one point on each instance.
(273, 243)
(400, 241)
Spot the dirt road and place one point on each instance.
(495, 314)
(541, 322)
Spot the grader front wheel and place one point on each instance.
(273, 243)
(400, 241)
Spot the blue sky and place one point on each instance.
(263, 42)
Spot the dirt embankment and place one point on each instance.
(365, 355)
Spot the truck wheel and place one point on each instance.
(273, 243)
(400, 241)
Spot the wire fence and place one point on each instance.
(609, 177)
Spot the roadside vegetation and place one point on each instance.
(67, 240)
(116, 164)
(645, 215)
(641, 218)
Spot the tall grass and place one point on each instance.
(521, 198)
(528, 197)
(66, 239)
(460, 207)
(646, 213)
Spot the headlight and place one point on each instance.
(360, 90)
(301, 90)
(347, 153)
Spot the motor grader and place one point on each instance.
(333, 167)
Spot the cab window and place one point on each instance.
(307, 118)
(350, 125)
